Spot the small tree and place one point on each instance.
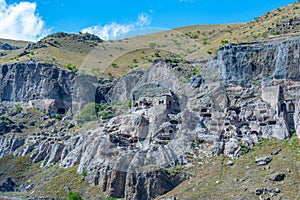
(156, 54)
(224, 42)
(74, 196)
(152, 45)
(71, 67)
(114, 65)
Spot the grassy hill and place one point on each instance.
(193, 43)
(213, 179)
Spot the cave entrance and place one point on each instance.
(291, 108)
(61, 111)
(283, 107)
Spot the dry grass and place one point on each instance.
(50, 182)
(215, 180)
(198, 42)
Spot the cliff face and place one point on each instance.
(247, 92)
(261, 61)
(45, 86)
(273, 64)
(24, 82)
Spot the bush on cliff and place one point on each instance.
(74, 196)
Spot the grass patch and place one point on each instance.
(88, 113)
(177, 170)
(74, 196)
(244, 177)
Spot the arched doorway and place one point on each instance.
(291, 107)
(283, 107)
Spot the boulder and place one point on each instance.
(263, 160)
(278, 177)
(229, 163)
(259, 191)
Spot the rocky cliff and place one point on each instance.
(275, 59)
(46, 86)
(273, 66)
(249, 91)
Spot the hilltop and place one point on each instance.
(193, 43)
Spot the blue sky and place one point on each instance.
(111, 18)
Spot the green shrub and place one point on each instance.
(152, 45)
(224, 42)
(149, 60)
(264, 35)
(84, 172)
(111, 198)
(71, 67)
(114, 65)
(156, 54)
(4, 119)
(18, 108)
(88, 113)
(277, 32)
(128, 103)
(58, 117)
(74, 196)
(245, 149)
(106, 115)
(100, 108)
(134, 60)
(195, 36)
(175, 171)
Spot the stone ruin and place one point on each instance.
(153, 94)
(153, 119)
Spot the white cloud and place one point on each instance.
(20, 21)
(113, 30)
(108, 31)
(143, 20)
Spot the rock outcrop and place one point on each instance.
(273, 66)
(46, 86)
(9, 144)
(245, 64)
